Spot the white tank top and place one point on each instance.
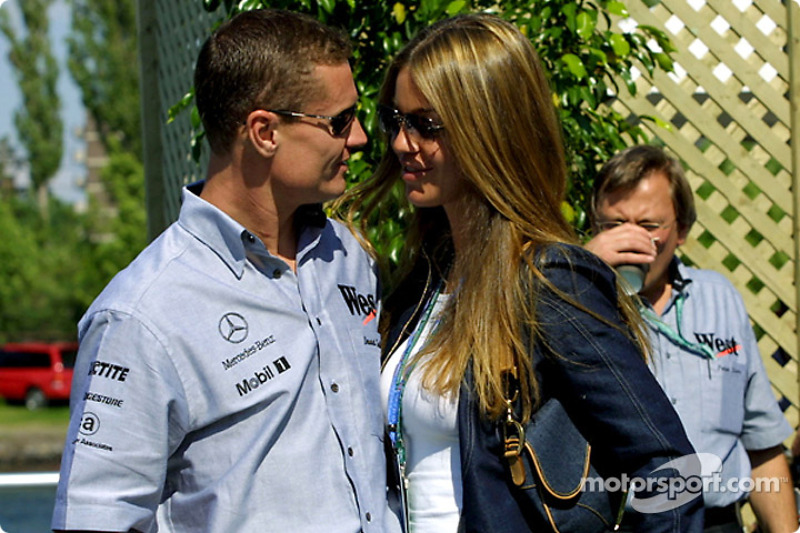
(430, 433)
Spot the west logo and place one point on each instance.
(262, 376)
(357, 303)
(721, 346)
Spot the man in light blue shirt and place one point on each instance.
(704, 352)
(228, 379)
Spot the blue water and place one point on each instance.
(26, 510)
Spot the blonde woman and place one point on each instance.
(492, 282)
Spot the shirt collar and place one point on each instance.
(229, 239)
(680, 278)
(679, 274)
(214, 228)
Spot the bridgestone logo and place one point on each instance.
(262, 376)
(99, 398)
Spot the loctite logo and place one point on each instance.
(109, 371)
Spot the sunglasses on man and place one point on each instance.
(338, 124)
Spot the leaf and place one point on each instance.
(248, 5)
(197, 145)
(327, 5)
(568, 212)
(620, 45)
(601, 56)
(589, 97)
(629, 83)
(178, 108)
(664, 61)
(197, 122)
(617, 8)
(399, 12)
(574, 65)
(585, 25)
(569, 12)
(662, 124)
(455, 7)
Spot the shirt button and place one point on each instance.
(350, 451)
(369, 517)
(251, 238)
(277, 273)
(335, 387)
(674, 400)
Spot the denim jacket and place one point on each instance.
(600, 378)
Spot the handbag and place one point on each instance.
(549, 462)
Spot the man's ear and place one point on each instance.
(260, 130)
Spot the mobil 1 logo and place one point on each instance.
(263, 375)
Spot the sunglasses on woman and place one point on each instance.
(391, 120)
(339, 124)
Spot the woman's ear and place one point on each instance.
(260, 130)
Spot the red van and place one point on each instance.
(36, 373)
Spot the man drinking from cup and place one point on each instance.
(704, 353)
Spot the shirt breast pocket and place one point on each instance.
(723, 395)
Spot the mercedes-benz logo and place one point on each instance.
(233, 328)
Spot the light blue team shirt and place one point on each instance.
(215, 390)
(726, 404)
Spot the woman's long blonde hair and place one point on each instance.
(486, 83)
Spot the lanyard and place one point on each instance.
(676, 336)
(399, 379)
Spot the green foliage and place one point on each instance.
(587, 61)
(40, 269)
(54, 266)
(38, 124)
(103, 60)
(123, 180)
(56, 261)
(585, 58)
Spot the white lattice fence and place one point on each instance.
(729, 116)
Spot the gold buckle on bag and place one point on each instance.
(514, 439)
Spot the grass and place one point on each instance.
(18, 418)
(31, 441)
